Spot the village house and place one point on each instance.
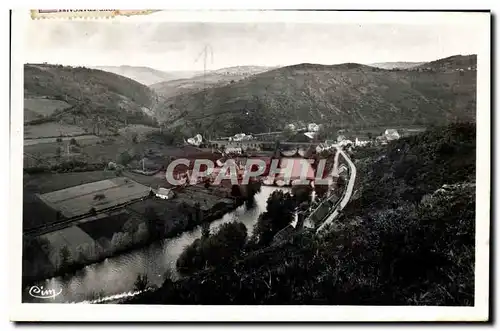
(164, 193)
(391, 134)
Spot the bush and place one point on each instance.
(99, 196)
(213, 250)
(279, 213)
(141, 283)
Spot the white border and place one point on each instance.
(64, 312)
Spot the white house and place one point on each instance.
(196, 140)
(313, 127)
(361, 142)
(391, 134)
(164, 193)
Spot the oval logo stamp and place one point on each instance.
(41, 293)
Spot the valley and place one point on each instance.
(97, 145)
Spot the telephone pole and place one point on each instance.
(206, 52)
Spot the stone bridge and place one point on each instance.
(286, 148)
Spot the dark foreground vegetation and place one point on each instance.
(406, 238)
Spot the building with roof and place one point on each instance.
(391, 134)
(164, 193)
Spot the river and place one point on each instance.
(115, 276)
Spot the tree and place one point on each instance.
(65, 257)
(205, 230)
(154, 224)
(279, 213)
(141, 283)
(130, 226)
(141, 234)
(215, 249)
(302, 193)
(235, 191)
(121, 240)
(124, 158)
(99, 196)
(198, 213)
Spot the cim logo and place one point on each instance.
(41, 293)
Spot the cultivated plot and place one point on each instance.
(71, 238)
(79, 200)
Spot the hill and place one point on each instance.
(408, 239)
(395, 65)
(146, 75)
(456, 62)
(348, 95)
(82, 96)
(213, 78)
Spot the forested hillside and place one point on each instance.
(92, 95)
(407, 238)
(350, 95)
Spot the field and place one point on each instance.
(137, 128)
(44, 183)
(81, 140)
(51, 129)
(80, 199)
(38, 107)
(155, 181)
(36, 212)
(109, 225)
(198, 194)
(71, 237)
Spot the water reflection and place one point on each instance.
(116, 275)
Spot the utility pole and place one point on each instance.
(206, 51)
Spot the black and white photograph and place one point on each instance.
(261, 159)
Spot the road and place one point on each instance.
(347, 193)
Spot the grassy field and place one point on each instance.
(51, 129)
(44, 183)
(71, 237)
(44, 107)
(81, 140)
(36, 212)
(137, 128)
(205, 197)
(80, 199)
(168, 211)
(106, 227)
(155, 181)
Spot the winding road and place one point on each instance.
(347, 192)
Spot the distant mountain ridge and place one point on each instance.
(455, 62)
(350, 94)
(146, 75)
(396, 65)
(212, 78)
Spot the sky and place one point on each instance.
(177, 45)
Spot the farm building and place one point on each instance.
(391, 134)
(164, 193)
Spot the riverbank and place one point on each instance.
(217, 211)
(115, 276)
